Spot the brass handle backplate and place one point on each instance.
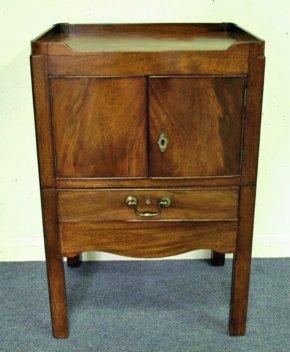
(132, 202)
(163, 142)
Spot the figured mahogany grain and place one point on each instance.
(187, 204)
(202, 117)
(146, 239)
(99, 126)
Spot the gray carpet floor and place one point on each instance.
(145, 306)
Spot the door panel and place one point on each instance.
(99, 127)
(202, 120)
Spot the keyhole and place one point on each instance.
(147, 200)
(163, 142)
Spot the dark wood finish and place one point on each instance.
(54, 264)
(242, 262)
(146, 239)
(204, 129)
(74, 262)
(187, 204)
(91, 137)
(102, 95)
(42, 121)
(217, 258)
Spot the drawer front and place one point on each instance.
(190, 204)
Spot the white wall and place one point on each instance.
(20, 21)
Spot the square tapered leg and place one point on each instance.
(54, 264)
(242, 263)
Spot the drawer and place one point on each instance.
(148, 204)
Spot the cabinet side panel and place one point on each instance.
(42, 122)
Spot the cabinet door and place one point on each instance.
(201, 120)
(99, 126)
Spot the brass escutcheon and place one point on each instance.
(132, 202)
(163, 142)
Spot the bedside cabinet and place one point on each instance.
(148, 139)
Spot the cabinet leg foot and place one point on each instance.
(237, 330)
(74, 262)
(58, 302)
(217, 258)
(240, 292)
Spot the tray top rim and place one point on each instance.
(144, 37)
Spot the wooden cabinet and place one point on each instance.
(147, 142)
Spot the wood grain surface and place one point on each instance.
(202, 117)
(230, 62)
(146, 239)
(187, 204)
(99, 126)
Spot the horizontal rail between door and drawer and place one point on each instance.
(147, 182)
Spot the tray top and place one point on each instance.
(145, 37)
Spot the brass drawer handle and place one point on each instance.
(133, 202)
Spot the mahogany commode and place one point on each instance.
(148, 138)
